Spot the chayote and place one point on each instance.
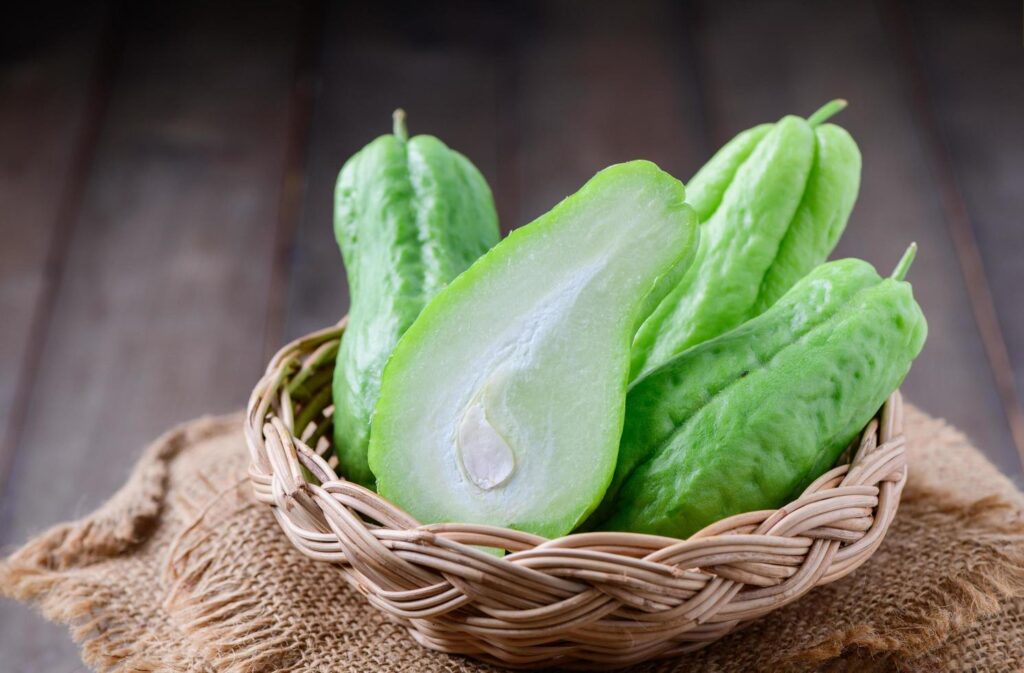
(410, 215)
(772, 204)
(503, 403)
(745, 421)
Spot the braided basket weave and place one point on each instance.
(587, 600)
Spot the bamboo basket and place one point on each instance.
(587, 600)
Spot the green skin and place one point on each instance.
(534, 338)
(410, 215)
(746, 421)
(772, 203)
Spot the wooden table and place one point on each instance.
(167, 173)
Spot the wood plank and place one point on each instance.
(968, 79)
(160, 313)
(841, 50)
(52, 96)
(51, 99)
(600, 84)
(445, 77)
(293, 181)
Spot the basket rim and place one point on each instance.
(741, 567)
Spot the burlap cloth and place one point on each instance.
(182, 571)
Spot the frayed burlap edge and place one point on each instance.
(217, 613)
(230, 626)
(235, 634)
(40, 572)
(950, 606)
(238, 636)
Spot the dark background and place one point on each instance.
(167, 169)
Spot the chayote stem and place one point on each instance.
(825, 111)
(398, 120)
(904, 265)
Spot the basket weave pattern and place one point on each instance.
(592, 600)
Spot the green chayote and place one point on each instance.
(745, 421)
(503, 402)
(772, 204)
(410, 215)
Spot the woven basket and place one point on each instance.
(587, 600)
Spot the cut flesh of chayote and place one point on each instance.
(503, 403)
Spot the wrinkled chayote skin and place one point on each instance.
(772, 205)
(409, 216)
(745, 421)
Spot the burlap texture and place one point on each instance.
(182, 571)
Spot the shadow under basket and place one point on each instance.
(586, 600)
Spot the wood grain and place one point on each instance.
(968, 80)
(842, 50)
(52, 98)
(612, 83)
(51, 102)
(159, 313)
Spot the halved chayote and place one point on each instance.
(772, 204)
(410, 215)
(503, 403)
(747, 420)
